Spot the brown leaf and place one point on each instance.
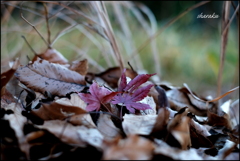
(180, 129)
(43, 76)
(160, 127)
(132, 148)
(216, 120)
(182, 133)
(7, 75)
(182, 97)
(80, 67)
(52, 56)
(112, 75)
(57, 111)
(198, 134)
(6, 97)
(64, 131)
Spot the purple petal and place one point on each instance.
(137, 81)
(132, 110)
(140, 106)
(123, 82)
(140, 93)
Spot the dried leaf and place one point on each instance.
(91, 136)
(182, 97)
(80, 67)
(65, 131)
(138, 124)
(51, 55)
(150, 101)
(7, 75)
(112, 75)
(58, 110)
(43, 76)
(6, 98)
(175, 153)
(107, 128)
(160, 127)
(216, 120)
(131, 148)
(17, 121)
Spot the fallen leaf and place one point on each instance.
(129, 98)
(181, 97)
(106, 127)
(91, 136)
(7, 75)
(98, 96)
(216, 120)
(51, 55)
(80, 67)
(58, 110)
(138, 124)
(43, 76)
(175, 153)
(17, 122)
(63, 130)
(132, 148)
(112, 75)
(159, 129)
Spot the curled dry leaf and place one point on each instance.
(182, 97)
(80, 67)
(175, 153)
(65, 131)
(112, 75)
(150, 101)
(216, 120)
(234, 113)
(91, 136)
(180, 129)
(17, 121)
(199, 134)
(160, 127)
(138, 124)
(51, 55)
(6, 98)
(7, 75)
(132, 148)
(182, 133)
(43, 76)
(61, 109)
(107, 127)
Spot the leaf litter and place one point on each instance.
(120, 122)
(68, 112)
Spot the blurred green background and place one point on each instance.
(188, 51)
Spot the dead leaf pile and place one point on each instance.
(65, 111)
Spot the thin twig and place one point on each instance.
(224, 35)
(227, 26)
(47, 22)
(34, 52)
(33, 27)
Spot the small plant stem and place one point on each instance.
(106, 108)
(28, 45)
(121, 113)
(47, 22)
(33, 27)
